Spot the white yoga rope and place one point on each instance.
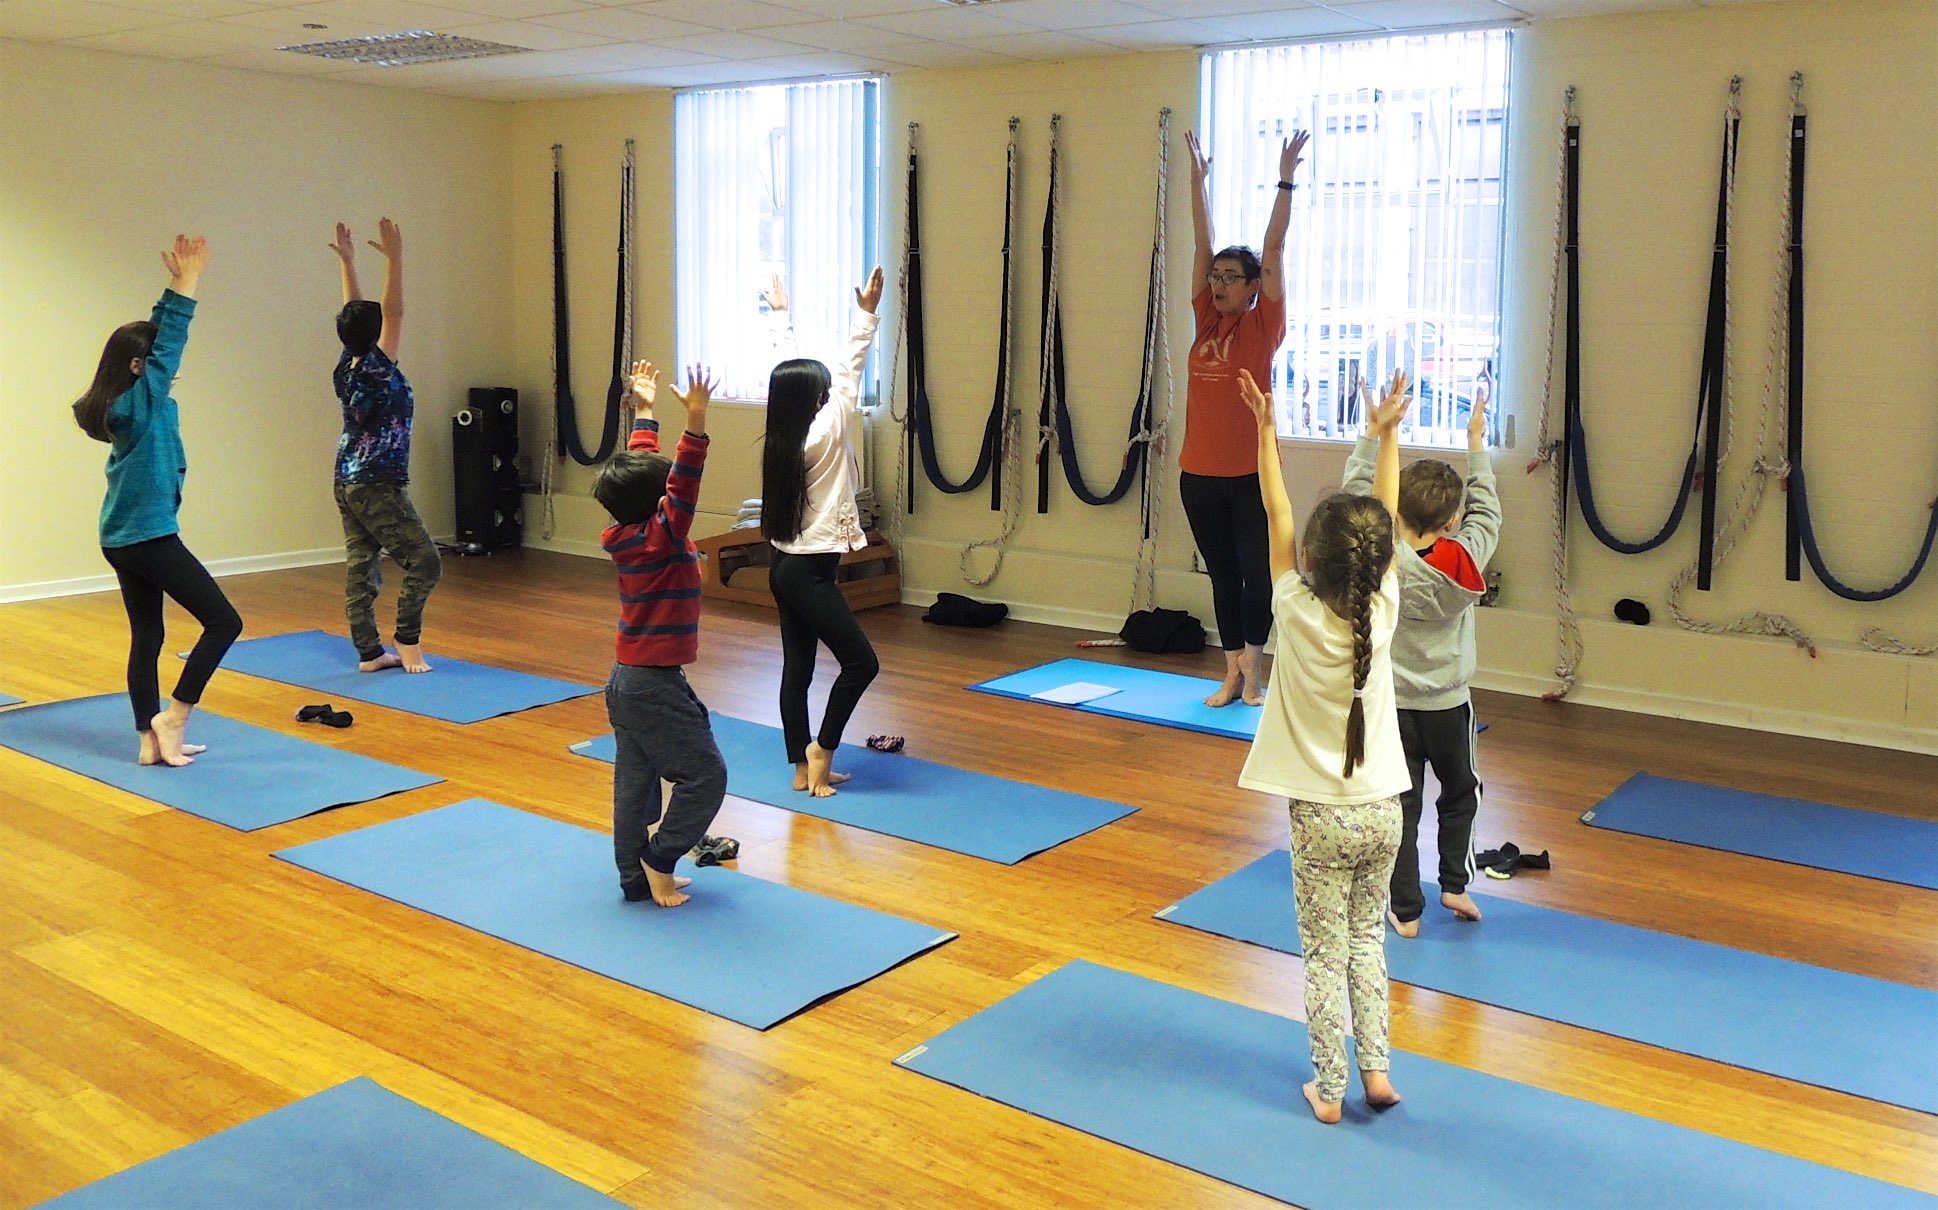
(1157, 354)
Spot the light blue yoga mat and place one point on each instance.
(356, 1145)
(955, 809)
(751, 951)
(1169, 699)
(1867, 1037)
(1214, 1087)
(251, 777)
(8, 699)
(1892, 848)
(453, 690)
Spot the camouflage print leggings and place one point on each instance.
(1342, 860)
(379, 517)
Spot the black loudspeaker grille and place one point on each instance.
(471, 478)
(498, 409)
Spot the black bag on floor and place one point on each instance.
(1163, 631)
(953, 610)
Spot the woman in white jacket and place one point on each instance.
(808, 475)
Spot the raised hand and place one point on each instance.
(1257, 400)
(344, 245)
(869, 295)
(643, 385)
(389, 241)
(775, 295)
(1290, 153)
(1477, 422)
(699, 392)
(188, 258)
(1200, 162)
(1383, 419)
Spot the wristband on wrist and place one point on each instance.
(1287, 186)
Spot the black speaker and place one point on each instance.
(507, 518)
(471, 476)
(498, 407)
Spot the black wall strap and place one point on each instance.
(920, 430)
(1800, 534)
(565, 411)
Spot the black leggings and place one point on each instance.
(1227, 518)
(813, 611)
(148, 571)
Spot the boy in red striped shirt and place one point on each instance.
(659, 725)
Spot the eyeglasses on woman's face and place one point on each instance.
(1224, 279)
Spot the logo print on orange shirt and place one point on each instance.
(1214, 353)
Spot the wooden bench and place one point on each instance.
(868, 577)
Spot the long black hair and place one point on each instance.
(1348, 547)
(113, 377)
(795, 392)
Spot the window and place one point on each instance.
(1393, 259)
(772, 181)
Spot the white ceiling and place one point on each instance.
(582, 47)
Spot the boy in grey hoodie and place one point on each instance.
(1447, 531)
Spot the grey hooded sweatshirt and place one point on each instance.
(1433, 649)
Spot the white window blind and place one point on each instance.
(772, 181)
(1393, 257)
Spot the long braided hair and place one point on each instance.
(1348, 547)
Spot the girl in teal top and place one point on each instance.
(129, 407)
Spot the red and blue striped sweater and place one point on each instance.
(658, 566)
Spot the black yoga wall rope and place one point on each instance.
(1800, 535)
(1054, 421)
(920, 430)
(1705, 448)
(565, 411)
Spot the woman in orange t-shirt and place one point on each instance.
(1240, 312)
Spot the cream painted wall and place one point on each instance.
(1651, 90)
(103, 158)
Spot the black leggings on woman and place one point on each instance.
(148, 571)
(1227, 518)
(813, 611)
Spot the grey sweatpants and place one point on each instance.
(662, 732)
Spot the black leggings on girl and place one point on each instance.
(1227, 518)
(148, 571)
(813, 611)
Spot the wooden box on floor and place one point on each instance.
(868, 577)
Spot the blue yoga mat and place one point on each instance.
(8, 699)
(1829, 1028)
(750, 951)
(1214, 1087)
(453, 690)
(1169, 699)
(955, 809)
(1865, 843)
(357, 1144)
(251, 777)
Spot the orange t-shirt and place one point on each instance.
(1220, 436)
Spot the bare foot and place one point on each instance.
(665, 888)
(1326, 1111)
(386, 660)
(1461, 905)
(1251, 666)
(411, 655)
(1380, 1093)
(168, 729)
(821, 777)
(1227, 690)
(1405, 928)
(150, 753)
(801, 776)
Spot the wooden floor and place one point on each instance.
(162, 978)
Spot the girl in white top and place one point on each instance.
(808, 476)
(1329, 740)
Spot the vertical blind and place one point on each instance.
(773, 181)
(1393, 256)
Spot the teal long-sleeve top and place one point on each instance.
(147, 464)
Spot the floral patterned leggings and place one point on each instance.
(1342, 861)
